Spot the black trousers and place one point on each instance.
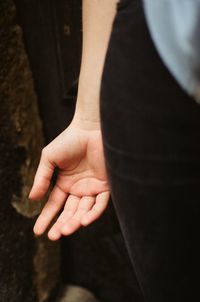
(151, 137)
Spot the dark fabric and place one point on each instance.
(151, 137)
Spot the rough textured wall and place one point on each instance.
(28, 266)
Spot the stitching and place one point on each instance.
(154, 181)
(147, 157)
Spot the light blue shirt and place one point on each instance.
(175, 29)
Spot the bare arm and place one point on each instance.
(98, 17)
(81, 191)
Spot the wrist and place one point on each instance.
(86, 122)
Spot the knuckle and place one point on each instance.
(44, 151)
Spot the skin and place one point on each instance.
(82, 191)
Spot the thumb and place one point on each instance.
(42, 177)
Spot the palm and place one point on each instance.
(82, 170)
(81, 183)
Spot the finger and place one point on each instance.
(74, 222)
(51, 208)
(69, 210)
(42, 177)
(97, 210)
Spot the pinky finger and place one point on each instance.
(97, 210)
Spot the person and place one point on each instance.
(134, 136)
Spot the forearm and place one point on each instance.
(97, 19)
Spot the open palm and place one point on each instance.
(81, 189)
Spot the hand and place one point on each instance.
(81, 187)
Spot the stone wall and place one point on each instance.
(29, 267)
